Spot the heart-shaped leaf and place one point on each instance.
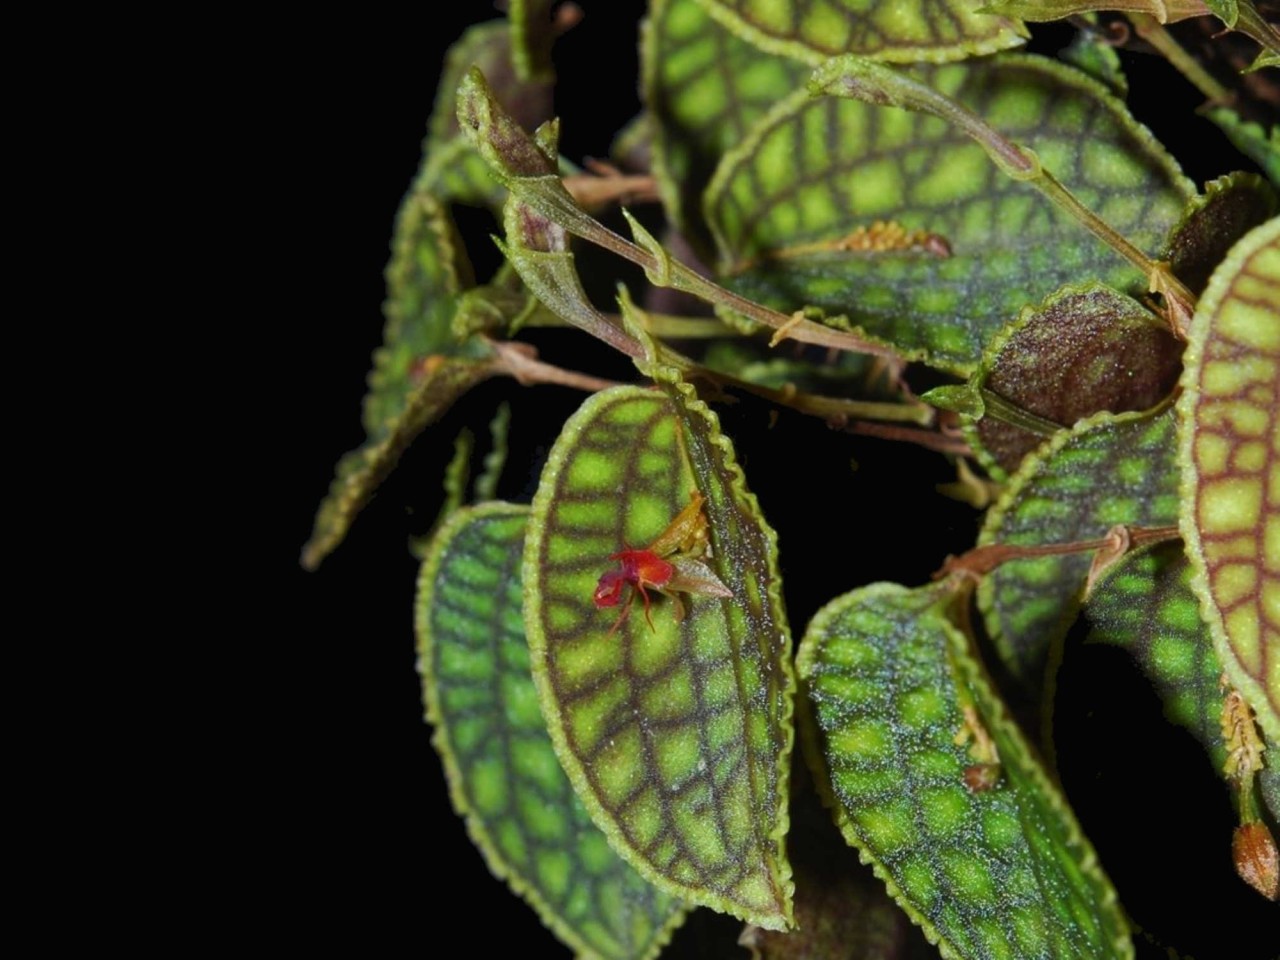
(1229, 417)
(919, 30)
(704, 87)
(1084, 350)
(931, 779)
(675, 733)
(1108, 470)
(503, 774)
(901, 224)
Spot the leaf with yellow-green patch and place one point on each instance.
(931, 779)
(1107, 470)
(1260, 144)
(676, 733)
(704, 87)
(1229, 208)
(906, 32)
(1084, 350)
(901, 223)
(1229, 433)
(503, 774)
(451, 167)
(1144, 604)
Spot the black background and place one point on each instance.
(352, 810)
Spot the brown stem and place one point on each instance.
(519, 360)
(980, 561)
(923, 438)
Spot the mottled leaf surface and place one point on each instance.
(1107, 470)
(794, 209)
(504, 777)
(1230, 207)
(676, 735)
(704, 87)
(1230, 452)
(1084, 350)
(1090, 53)
(1260, 144)
(1145, 605)
(905, 32)
(1001, 872)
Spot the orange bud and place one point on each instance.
(1254, 853)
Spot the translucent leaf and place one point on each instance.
(1084, 350)
(920, 30)
(452, 169)
(902, 224)
(1229, 417)
(676, 733)
(704, 87)
(1107, 470)
(1259, 144)
(896, 706)
(1144, 604)
(1230, 207)
(503, 774)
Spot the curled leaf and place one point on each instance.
(1084, 350)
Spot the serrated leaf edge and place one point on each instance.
(1220, 283)
(995, 716)
(440, 739)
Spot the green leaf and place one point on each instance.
(451, 168)
(1099, 59)
(1144, 604)
(1084, 350)
(360, 472)
(922, 30)
(704, 87)
(996, 872)
(1229, 433)
(1230, 207)
(503, 774)
(1259, 144)
(677, 735)
(1225, 10)
(799, 210)
(1107, 470)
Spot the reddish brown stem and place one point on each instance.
(980, 561)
